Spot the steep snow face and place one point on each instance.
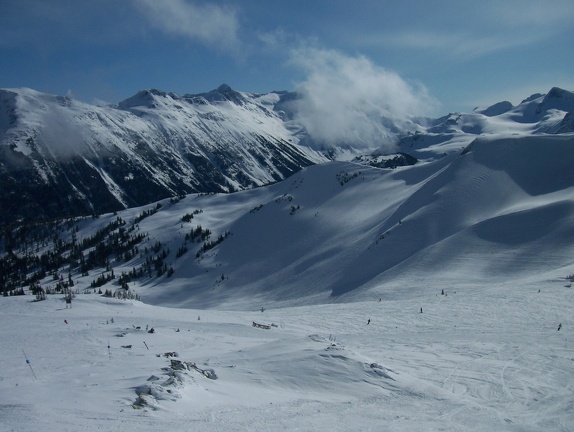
(67, 157)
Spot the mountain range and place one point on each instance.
(62, 157)
(493, 186)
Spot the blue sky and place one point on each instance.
(435, 56)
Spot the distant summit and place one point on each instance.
(496, 109)
(224, 93)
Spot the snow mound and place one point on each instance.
(178, 377)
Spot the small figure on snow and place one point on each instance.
(151, 330)
(66, 321)
(369, 321)
(421, 310)
(559, 326)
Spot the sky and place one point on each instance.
(430, 58)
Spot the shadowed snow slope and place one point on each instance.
(502, 210)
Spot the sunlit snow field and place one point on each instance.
(478, 358)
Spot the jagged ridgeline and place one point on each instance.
(60, 157)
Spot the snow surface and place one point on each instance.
(492, 227)
(430, 297)
(480, 358)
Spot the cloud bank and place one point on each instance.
(209, 24)
(350, 101)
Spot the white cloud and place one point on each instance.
(526, 14)
(351, 101)
(477, 30)
(463, 45)
(207, 23)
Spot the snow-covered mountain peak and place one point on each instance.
(152, 145)
(144, 98)
(558, 93)
(496, 109)
(223, 93)
(558, 99)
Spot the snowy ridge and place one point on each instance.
(154, 145)
(538, 114)
(303, 238)
(63, 157)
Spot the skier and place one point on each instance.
(421, 310)
(559, 326)
(369, 321)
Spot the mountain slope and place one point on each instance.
(60, 157)
(538, 114)
(501, 210)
